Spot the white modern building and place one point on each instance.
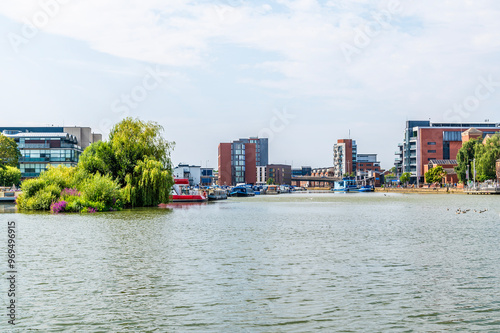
(261, 174)
(191, 172)
(44, 146)
(345, 153)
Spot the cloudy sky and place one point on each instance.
(301, 72)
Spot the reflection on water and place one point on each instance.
(300, 262)
(7, 208)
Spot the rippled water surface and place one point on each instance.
(288, 263)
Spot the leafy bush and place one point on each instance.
(40, 201)
(62, 176)
(30, 187)
(98, 190)
(10, 176)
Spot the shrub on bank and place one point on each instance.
(133, 168)
(94, 193)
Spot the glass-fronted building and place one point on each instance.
(425, 141)
(44, 146)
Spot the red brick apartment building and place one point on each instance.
(237, 163)
(425, 141)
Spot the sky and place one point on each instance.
(303, 73)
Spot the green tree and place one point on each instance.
(405, 178)
(98, 157)
(486, 157)
(138, 158)
(9, 152)
(149, 185)
(270, 181)
(435, 175)
(133, 140)
(10, 176)
(465, 158)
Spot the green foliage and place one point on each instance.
(405, 178)
(40, 201)
(133, 168)
(10, 176)
(149, 184)
(435, 175)
(62, 176)
(98, 157)
(9, 152)
(270, 181)
(485, 155)
(465, 158)
(133, 140)
(30, 187)
(100, 189)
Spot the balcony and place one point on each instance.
(68, 145)
(34, 146)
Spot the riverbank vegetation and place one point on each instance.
(9, 152)
(9, 176)
(485, 153)
(131, 169)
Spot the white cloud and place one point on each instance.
(427, 57)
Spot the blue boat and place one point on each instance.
(242, 191)
(367, 188)
(347, 184)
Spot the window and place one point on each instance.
(431, 151)
(431, 143)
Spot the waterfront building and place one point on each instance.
(344, 157)
(191, 172)
(367, 163)
(448, 166)
(281, 174)
(44, 146)
(368, 169)
(303, 171)
(261, 174)
(237, 161)
(425, 141)
(207, 177)
(324, 172)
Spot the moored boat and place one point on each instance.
(272, 189)
(217, 194)
(242, 191)
(182, 193)
(346, 185)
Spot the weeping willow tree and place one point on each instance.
(138, 158)
(149, 184)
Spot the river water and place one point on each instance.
(287, 263)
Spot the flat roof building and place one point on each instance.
(237, 161)
(344, 157)
(425, 141)
(44, 146)
(281, 174)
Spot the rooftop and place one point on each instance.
(443, 162)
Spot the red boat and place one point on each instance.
(182, 193)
